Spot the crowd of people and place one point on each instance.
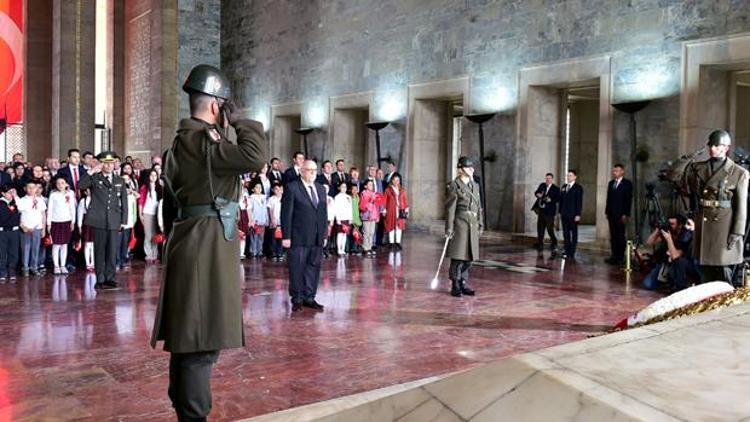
(44, 207)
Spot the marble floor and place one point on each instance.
(69, 352)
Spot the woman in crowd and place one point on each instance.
(123, 255)
(87, 235)
(150, 194)
(258, 220)
(370, 215)
(342, 212)
(243, 225)
(396, 211)
(127, 168)
(61, 218)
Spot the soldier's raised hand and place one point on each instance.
(233, 113)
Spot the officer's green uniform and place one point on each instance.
(463, 211)
(200, 305)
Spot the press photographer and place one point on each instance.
(674, 264)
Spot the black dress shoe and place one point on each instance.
(465, 290)
(110, 285)
(99, 286)
(296, 307)
(455, 289)
(313, 304)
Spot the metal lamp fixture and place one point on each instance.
(377, 127)
(481, 119)
(304, 131)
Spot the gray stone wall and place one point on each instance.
(199, 40)
(278, 51)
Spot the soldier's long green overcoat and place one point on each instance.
(463, 217)
(714, 225)
(200, 306)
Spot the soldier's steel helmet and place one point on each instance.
(465, 162)
(719, 137)
(208, 80)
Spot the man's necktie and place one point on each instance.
(75, 178)
(313, 196)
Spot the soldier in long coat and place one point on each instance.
(463, 226)
(718, 191)
(200, 308)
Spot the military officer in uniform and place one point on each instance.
(107, 214)
(463, 225)
(718, 192)
(200, 303)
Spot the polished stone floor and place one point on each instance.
(68, 352)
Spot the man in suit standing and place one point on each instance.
(619, 203)
(571, 206)
(326, 178)
(107, 214)
(340, 175)
(548, 195)
(293, 173)
(304, 224)
(274, 173)
(73, 171)
(391, 167)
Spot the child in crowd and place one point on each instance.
(329, 244)
(87, 235)
(10, 234)
(244, 223)
(123, 253)
(33, 221)
(274, 220)
(61, 218)
(370, 213)
(342, 212)
(258, 212)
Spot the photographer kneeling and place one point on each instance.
(672, 254)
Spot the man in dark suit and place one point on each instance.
(391, 171)
(547, 197)
(325, 178)
(571, 206)
(107, 214)
(274, 173)
(5, 179)
(293, 172)
(74, 171)
(619, 203)
(340, 175)
(304, 224)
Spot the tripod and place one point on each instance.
(652, 212)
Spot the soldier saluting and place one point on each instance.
(200, 304)
(718, 192)
(463, 225)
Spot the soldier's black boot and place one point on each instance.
(456, 288)
(465, 289)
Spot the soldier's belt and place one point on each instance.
(193, 211)
(226, 211)
(705, 203)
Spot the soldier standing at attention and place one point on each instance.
(463, 226)
(200, 303)
(107, 215)
(718, 193)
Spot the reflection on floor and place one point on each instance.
(68, 350)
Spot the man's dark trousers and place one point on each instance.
(617, 238)
(105, 254)
(304, 272)
(570, 234)
(189, 384)
(10, 250)
(545, 222)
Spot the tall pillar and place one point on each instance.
(37, 90)
(73, 81)
(116, 73)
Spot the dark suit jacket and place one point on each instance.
(332, 189)
(4, 178)
(109, 205)
(289, 175)
(336, 180)
(272, 177)
(550, 208)
(66, 173)
(620, 200)
(302, 223)
(571, 200)
(387, 178)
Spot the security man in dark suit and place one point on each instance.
(74, 171)
(274, 173)
(107, 214)
(10, 235)
(571, 206)
(304, 225)
(340, 175)
(547, 197)
(619, 203)
(293, 173)
(325, 178)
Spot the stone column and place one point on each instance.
(73, 41)
(37, 90)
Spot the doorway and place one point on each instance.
(350, 137)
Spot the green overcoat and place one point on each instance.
(463, 218)
(200, 303)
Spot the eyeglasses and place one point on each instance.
(309, 169)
